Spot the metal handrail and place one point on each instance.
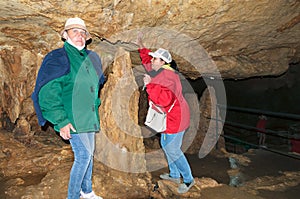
(267, 131)
(247, 127)
(257, 111)
(263, 148)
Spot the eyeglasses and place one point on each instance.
(77, 31)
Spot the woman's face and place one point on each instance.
(77, 36)
(157, 63)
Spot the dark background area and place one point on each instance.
(268, 94)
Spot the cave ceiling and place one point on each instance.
(240, 38)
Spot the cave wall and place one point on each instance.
(223, 38)
(228, 39)
(277, 94)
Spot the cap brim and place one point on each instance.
(153, 54)
(156, 55)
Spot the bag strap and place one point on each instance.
(151, 103)
(172, 106)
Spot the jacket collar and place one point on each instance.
(153, 73)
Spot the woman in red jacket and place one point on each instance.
(164, 89)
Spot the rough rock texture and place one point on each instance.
(222, 39)
(209, 131)
(243, 38)
(43, 172)
(120, 143)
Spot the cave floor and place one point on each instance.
(267, 175)
(256, 174)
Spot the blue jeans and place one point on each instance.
(83, 145)
(178, 164)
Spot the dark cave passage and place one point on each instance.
(278, 95)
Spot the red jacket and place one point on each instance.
(261, 125)
(164, 88)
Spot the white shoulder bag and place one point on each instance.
(157, 119)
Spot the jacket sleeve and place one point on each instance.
(55, 64)
(146, 58)
(50, 101)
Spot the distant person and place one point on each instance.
(261, 133)
(165, 90)
(66, 95)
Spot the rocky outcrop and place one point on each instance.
(231, 39)
(214, 40)
(243, 39)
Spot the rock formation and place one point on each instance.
(213, 40)
(243, 39)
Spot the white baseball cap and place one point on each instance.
(162, 54)
(75, 23)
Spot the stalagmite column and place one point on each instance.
(120, 143)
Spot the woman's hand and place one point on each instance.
(147, 79)
(139, 40)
